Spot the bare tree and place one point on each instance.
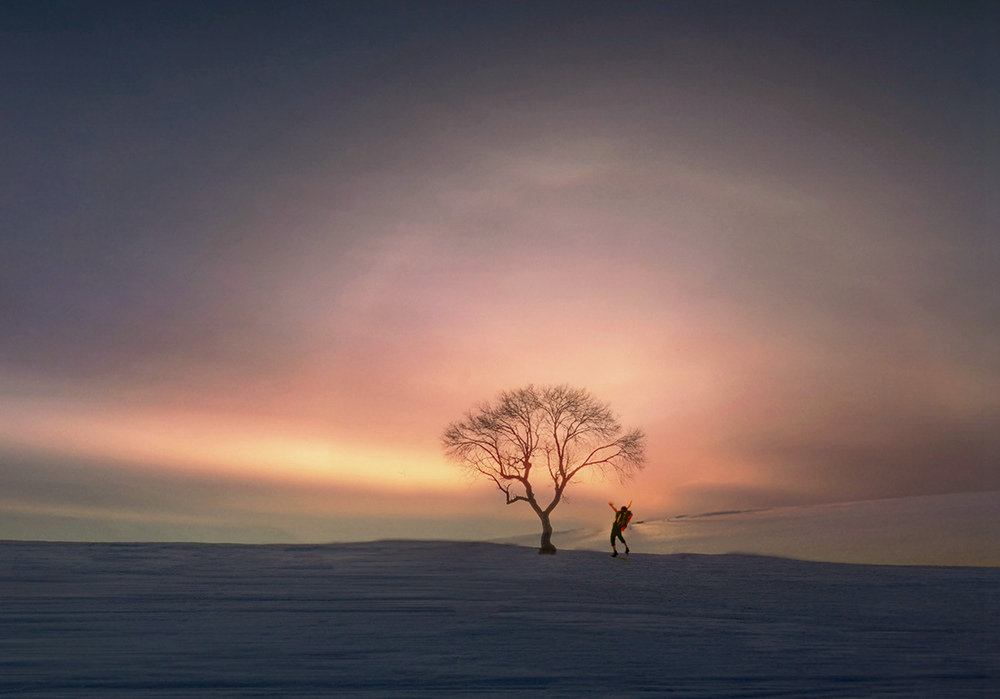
(536, 437)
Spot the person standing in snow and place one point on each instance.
(622, 518)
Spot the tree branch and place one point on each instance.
(501, 442)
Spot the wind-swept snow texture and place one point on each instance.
(959, 530)
(431, 619)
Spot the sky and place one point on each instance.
(255, 257)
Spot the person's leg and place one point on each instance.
(617, 534)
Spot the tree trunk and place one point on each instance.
(546, 546)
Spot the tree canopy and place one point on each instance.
(536, 439)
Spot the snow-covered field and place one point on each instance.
(431, 619)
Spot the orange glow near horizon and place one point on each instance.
(224, 445)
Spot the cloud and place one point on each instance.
(761, 234)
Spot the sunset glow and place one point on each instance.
(279, 249)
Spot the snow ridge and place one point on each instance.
(958, 530)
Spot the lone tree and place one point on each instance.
(536, 437)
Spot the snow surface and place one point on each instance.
(959, 530)
(430, 619)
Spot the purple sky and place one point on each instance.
(254, 258)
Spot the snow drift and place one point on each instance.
(961, 529)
